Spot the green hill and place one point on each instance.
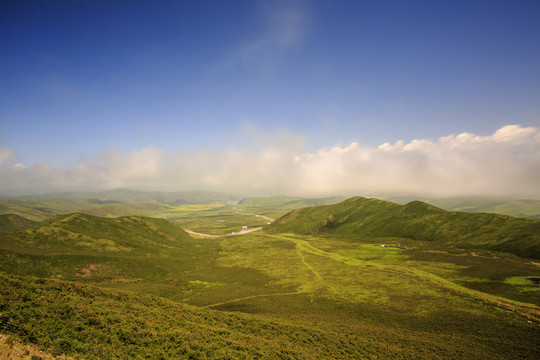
(14, 222)
(87, 233)
(417, 220)
(132, 252)
(275, 206)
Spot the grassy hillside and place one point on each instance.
(14, 222)
(275, 206)
(86, 233)
(417, 220)
(87, 322)
(513, 207)
(133, 253)
(95, 287)
(333, 303)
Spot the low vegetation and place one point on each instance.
(83, 286)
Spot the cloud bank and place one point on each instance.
(506, 163)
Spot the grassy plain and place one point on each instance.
(138, 287)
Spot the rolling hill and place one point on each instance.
(417, 220)
(275, 206)
(87, 233)
(113, 203)
(14, 222)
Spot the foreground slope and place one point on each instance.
(417, 220)
(81, 320)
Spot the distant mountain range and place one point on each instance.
(507, 206)
(119, 202)
(126, 195)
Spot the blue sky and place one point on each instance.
(81, 80)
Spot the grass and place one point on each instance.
(138, 287)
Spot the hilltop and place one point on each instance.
(417, 220)
(275, 206)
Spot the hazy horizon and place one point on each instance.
(302, 98)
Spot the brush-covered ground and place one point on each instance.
(83, 286)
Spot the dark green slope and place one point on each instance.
(417, 220)
(14, 222)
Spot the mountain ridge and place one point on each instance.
(358, 216)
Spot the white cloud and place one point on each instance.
(504, 163)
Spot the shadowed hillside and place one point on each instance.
(417, 220)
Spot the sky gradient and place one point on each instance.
(266, 97)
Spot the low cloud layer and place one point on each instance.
(506, 163)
